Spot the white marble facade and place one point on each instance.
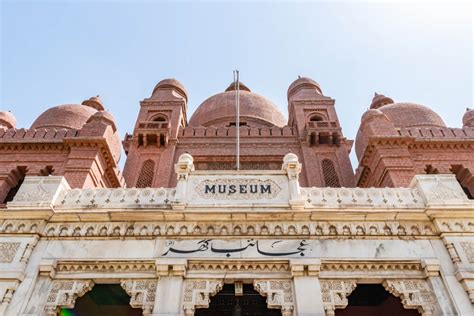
(304, 249)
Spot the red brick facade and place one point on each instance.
(162, 133)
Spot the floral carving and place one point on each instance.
(142, 293)
(335, 294)
(197, 294)
(468, 248)
(63, 293)
(415, 294)
(279, 294)
(8, 251)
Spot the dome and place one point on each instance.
(7, 119)
(468, 118)
(64, 116)
(411, 115)
(380, 100)
(221, 108)
(94, 102)
(303, 82)
(171, 84)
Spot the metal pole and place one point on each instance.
(237, 114)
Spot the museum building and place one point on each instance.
(181, 231)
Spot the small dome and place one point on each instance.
(411, 115)
(221, 108)
(64, 116)
(303, 82)
(7, 119)
(468, 118)
(171, 84)
(380, 100)
(242, 87)
(104, 116)
(94, 102)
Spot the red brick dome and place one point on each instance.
(303, 82)
(468, 118)
(64, 116)
(220, 109)
(173, 84)
(411, 115)
(7, 119)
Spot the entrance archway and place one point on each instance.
(225, 303)
(374, 300)
(104, 299)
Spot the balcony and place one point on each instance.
(323, 133)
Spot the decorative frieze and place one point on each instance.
(341, 229)
(279, 294)
(105, 266)
(63, 293)
(361, 197)
(414, 294)
(142, 293)
(334, 293)
(197, 294)
(239, 266)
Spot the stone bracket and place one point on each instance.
(63, 293)
(414, 294)
(279, 294)
(197, 294)
(142, 293)
(335, 294)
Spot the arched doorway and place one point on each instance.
(225, 303)
(374, 300)
(104, 299)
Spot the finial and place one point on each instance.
(299, 76)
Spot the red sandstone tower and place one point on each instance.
(78, 141)
(398, 140)
(162, 133)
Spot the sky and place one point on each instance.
(60, 52)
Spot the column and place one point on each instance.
(308, 296)
(170, 286)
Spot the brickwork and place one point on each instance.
(398, 140)
(265, 136)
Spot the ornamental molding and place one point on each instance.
(334, 293)
(342, 229)
(109, 266)
(5, 300)
(279, 294)
(197, 294)
(458, 225)
(63, 294)
(373, 268)
(220, 266)
(142, 293)
(414, 294)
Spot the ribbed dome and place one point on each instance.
(411, 115)
(7, 119)
(64, 116)
(221, 108)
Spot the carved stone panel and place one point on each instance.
(63, 293)
(8, 251)
(197, 294)
(468, 248)
(142, 293)
(414, 294)
(279, 294)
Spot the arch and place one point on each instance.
(316, 117)
(329, 173)
(146, 175)
(159, 118)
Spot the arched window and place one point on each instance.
(329, 173)
(160, 118)
(316, 118)
(145, 178)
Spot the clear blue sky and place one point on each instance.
(59, 52)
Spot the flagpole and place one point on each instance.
(237, 118)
